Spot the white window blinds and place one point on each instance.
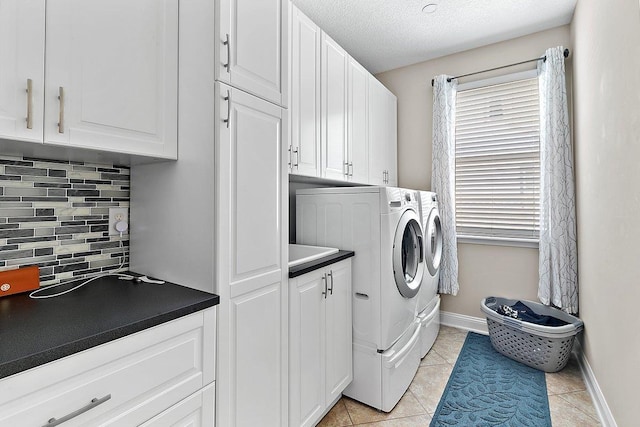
(498, 161)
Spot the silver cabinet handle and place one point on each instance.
(296, 152)
(289, 157)
(351, 168)
(228, 99)
(227, 43)
(29, 104)
(346, 169)
(330, 274)
(324, 279)
(61, 116)
(94, 402)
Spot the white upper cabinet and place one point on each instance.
(304, 151)
(343, 120)
(382, 134)
(251, 46)
(21, 69)
(357, 123)
(334, 109)
(112, 75)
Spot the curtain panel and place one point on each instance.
(558, 258)
(443, 178)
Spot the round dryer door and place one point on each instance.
(408, 255)
(433, 244)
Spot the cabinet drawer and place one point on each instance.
(197, 410)
(143, 373)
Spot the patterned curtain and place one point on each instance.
(443, 178)
(558, 259)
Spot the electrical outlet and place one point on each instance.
(117, 215)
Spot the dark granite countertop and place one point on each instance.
(37, 331)
(308, 267)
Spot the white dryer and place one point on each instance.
(428, 307)
(382, 226)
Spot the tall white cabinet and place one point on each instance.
(250, 249)
(226, 194)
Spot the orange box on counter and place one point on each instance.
(19, 280)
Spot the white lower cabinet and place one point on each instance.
(320, 348)
(124, 382)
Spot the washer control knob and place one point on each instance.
(407, 197)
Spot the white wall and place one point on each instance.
(484, 269)
(606, 39)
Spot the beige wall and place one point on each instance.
(606, 39)
(484, 269)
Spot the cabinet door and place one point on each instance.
(382, 134)
(115, 62)
(334, 109)
(255, 358)
(22, 53)
(249, 225)
(358, 132)
(252, 47)
(307, 348)
(377, 132)
(338, 330)
(305, 95)
(250, 189)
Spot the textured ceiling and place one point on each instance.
(387, 34)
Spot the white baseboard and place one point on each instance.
(462, 321)
(600, 403)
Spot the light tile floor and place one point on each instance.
(569, 401)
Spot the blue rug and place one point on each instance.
(488, 389)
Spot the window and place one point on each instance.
(498, 159)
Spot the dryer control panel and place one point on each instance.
(402, 198)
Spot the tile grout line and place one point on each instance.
(575, 406)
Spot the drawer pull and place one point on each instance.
(94, 402)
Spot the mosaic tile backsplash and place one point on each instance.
(55, 214)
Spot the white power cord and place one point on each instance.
(35, 293)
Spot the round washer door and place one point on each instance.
(408, 255)
(433, 242)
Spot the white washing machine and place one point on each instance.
(428, 306)
(382, 226)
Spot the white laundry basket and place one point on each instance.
(542, 347)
